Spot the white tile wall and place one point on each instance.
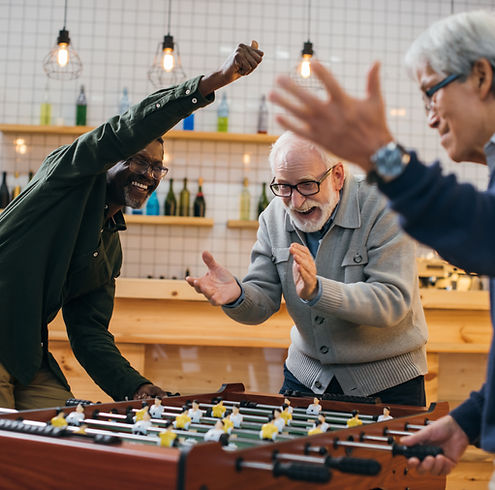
(116, 40)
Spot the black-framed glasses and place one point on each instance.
(140, 165)
(305, 188)
(428, 94)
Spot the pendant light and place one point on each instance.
(302, 73)
(166, 68)
(62, 62)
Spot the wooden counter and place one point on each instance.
(177, 339)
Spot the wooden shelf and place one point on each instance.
(143, 219)
(244, 224)
(174, 134)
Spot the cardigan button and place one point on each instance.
(324, 349)
(95, 254)
(358, 258)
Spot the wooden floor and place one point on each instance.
(473, 472)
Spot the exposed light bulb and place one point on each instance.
(168, 61)
(305, 66)
(62, 54)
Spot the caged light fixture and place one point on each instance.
(62, 62)
(167, 68)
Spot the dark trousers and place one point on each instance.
(411, 392)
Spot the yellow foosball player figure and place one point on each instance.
(287, 413)
(355, 420)
(228, 425)
(140, 414)
(316, 429)
(167, 438)
(183, 421)
(157, 408)
(59, 419)
(81, 430)
(319, 425)
(76, 417)
(269, 430)
(218, 410)
(385, 416)
(142, 425)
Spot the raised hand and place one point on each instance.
(241, 62)
(149, 390)
(218, 285)
(303, 271)
(351, 128)
(445, 433)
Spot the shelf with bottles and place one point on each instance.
(173, 134)
(144, 219)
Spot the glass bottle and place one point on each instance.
(81, 107)
(4, 192)
(245, 203)
(199, 205)
(124, 103)
(152, 205)
(263, 200)
(188, 123)
(17, 188)
(46, 110)
(30, 175)
(170, 208)
(223, 115)
(263, 116)
(184, 200)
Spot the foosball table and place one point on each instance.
(110, 448)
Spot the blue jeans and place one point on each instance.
(411, 392)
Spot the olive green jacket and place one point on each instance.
(58, 251)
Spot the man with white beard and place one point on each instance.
(331, 246)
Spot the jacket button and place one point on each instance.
(188, 92)
(157, 105)
(324, 349)
(318, 385)
(358, 258)
(319, 320)
(194, 100)
(95, 254)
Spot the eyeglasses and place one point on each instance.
(140, 165)
(428, 94)
(305, 188)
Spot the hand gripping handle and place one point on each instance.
(302, 472)
(416, 451)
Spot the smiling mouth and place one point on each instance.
(307, 211)
(140, 186)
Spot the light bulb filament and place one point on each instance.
(62, 54)
(168, 59)
(305, 67)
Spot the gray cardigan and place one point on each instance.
(368, 328)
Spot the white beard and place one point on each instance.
(310, 225)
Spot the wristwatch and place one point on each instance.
(389, 161)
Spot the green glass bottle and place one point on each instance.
(81, 108)
(184, 200)
(263, 200)
(4, 192)
(199, 205)
(223, 115)
(245, 203)
(170, 208)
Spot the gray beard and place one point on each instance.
(129, 201)
(308, 226)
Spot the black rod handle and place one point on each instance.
(357, 466)
(416, 451)
(302, 472)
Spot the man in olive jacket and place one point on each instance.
(59, 246)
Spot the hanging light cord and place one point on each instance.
(451, 6)
(309, 18)
(169, 14)
(65, 14)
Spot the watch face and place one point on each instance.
(388, 160)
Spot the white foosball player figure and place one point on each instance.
(216, 432)
(195, 412)
(385, 416)
(76, 417)
(157, 408)
(314, 408)
(141, 426)
(236, 417)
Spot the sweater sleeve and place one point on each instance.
(455, 219)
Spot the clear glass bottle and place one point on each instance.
(81, 108)
(184, 200)
(223, 115)
(170, 208)
(17, 187)
(263, 116)
(124, 102)
(152, 205)
(245, 201)
(263, 200)
(199, 205)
